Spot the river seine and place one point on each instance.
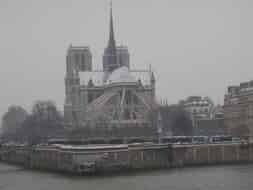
(239, 177)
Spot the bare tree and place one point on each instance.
(44, 122)
(175, 119)
(12, 121)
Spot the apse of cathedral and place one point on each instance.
(114, 101)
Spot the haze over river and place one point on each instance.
(232, 177)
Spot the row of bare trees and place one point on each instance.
(43, 122)
(175, 120)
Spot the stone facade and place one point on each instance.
(209, 154)
(238, 109)
(198, 108)
(112, 98)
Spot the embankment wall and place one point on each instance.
(126, 157)
(186, 155)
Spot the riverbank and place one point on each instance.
(94, 159)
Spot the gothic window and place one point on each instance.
(83, 66)
(127, 114)
(139, 82)
(90, 97)
(120, 94)
(76, 57)
(128, 97)
(90, 83)
(134, 116)
(115, 116)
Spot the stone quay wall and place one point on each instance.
(88, 159)
(205, 154)
(97, 158)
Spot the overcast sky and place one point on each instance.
(196, 47)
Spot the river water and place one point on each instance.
(233, 177)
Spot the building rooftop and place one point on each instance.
(242, 87)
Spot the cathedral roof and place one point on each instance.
(121, 75)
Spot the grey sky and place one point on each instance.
(196, 47)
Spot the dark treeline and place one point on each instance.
(43, 122)
(175, 120)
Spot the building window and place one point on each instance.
(83, 66)
(135, 99)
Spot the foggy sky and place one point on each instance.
(195, 47)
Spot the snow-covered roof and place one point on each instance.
(121, 75)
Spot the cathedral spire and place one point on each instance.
(111, 42)
(110, 54)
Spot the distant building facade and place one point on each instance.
(207, 119)
(210, 127)
(218, 112)
(199, 108)
(238, 109)
(115, 98)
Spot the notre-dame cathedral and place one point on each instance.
(115, 101)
